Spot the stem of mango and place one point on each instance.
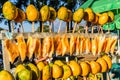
(67, 27)
(42, 27)
(92, 29)
(101, 29)
(98, 29)
(22, 27)
(96, 76)
(50, 27)
(12, 24)
(67, 61)
(33, 27)
(86, 29)
(108, 76)
(102, 78)
(74, 28)
(59, 26)
(84, 78)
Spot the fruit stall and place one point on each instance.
(86, 53)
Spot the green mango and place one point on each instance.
(24, 75)
(35, 71)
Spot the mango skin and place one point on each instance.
(44, 13)
(46, 75)
(53, 14)
(32, 13)
(9, 11)
(70, 16)
(78, 15)
(63, 13)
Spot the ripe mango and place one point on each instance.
(5, 75)
(111, 16)
(21, 16)
(78, 15)
(52, 14)
(63, 13)
(32, 13)
(103, 19)
(10, 11)
(89, 15)
(44, 13)
(70, 15)
(46, 75)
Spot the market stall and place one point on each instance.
(61, 55)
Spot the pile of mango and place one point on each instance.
(59, 70)
(46, 13)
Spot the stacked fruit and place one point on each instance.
(47, 13)
(11, 12)
(59, 70)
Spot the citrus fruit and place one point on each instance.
(5, 75)
(108, 60)
(24, 74)
(66, 71)
(75, 67)
(56, 71)
(85, 68)
(103, 64)
(10, 11)
(32, 13)
(95, 67)
(40, 65)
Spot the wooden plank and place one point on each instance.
(43, 34)
(39, 34)
(6, 62)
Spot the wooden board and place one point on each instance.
(41, 34)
